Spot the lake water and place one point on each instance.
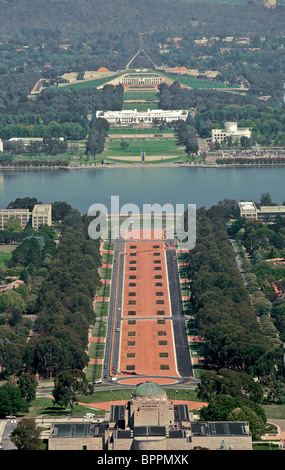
(147, 185)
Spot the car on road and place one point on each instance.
(99, 381)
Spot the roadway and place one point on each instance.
(183, 358)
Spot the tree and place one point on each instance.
(245, 142)
(265, 199)
(11, 401)
(28, 386)
(256, 425)
(26, 435)
(13, 224)
(68, 385)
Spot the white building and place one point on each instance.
(23, 215)
(249, 210)
(231, 130)
(132, 116)
(41, 215)
(1, 145)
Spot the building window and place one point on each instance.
(161, 333)
(131, 312)
(131, 355)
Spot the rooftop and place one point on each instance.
(148, 389)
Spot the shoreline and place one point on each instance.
(140, 165)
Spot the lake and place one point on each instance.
(143, 185)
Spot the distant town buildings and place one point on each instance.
(231, 130)
(149, 421)
(41, 215)
(250, 211)
(132, 116)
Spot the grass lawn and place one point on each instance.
(139, 130)
(199, 83)
(274, 411)
(4, 257)
(88, 83)
(144, 106)
(157, 147)
(141, 95)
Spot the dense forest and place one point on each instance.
(59, 285)
(224, 312)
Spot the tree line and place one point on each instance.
(221, 304)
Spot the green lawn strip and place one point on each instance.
(152, 162)
(101, 396)
(138, 130)
(88, 83)
(44, 406)
(108, 246)
(4, 257)
(140, 106)
(199, 83)
(96, 350)
(104, 291)
(101, 309)
(99, 329)
(106, 273)
(141, 95)
(107, 258)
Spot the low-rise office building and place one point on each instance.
(41, 215)
(23, 215)
(249, 210)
